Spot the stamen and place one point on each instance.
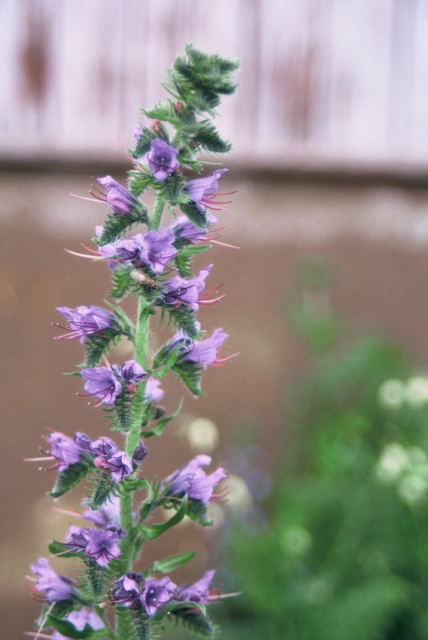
(84, 255)
(37, 636)
(212, 301)
(41, 459)
(75, 195)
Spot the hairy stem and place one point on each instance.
(156, 216)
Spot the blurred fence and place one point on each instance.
(320, 79)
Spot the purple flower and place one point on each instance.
(130, 371)
(200, 189)
(128, 589)
(82, 441)
(80, 619)
(204, 352)
(122, 251)
(104, 446)
(119, 465)
(193, 481)
(102, 383)
(181, 291)
(140, 452)
(119, 199)
(85, 321)
(156, 593)
(54, 586)
(64, 450)
(186, 230)
(196, 592)
(77, 538)
(108, 515)
(156, 249)
(162, 159)
(153, 391)
(102, 546)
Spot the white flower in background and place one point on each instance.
(393, 460)
(201, 434)
(297, 540)
(412, 488)
(417, 391)
(392, 393)
(239, 498)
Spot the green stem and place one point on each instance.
(133, 437)
(156, 216)
(100, 613)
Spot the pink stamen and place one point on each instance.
(212, 301)
(42, 624)
(41, 459)
(84, 255)
(90, 249)
(98, 197)
(67, 512)
(32, 634)
(224, 244)
(75, 195)
(222, 360)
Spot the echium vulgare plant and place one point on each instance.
(115, 595)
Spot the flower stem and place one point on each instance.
(156, 216)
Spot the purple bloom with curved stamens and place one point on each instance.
(204, 352)
(153, 391)
(104, 446)
(123, 251)
(193, 481)
(156, 593)
(156, 249)
(77, 538)
(128, 589)
(119, 199)
(85, 321)
(200, 189)
(102, 546)
(196, 592)
(162, 159)
(119, 465)
(55, 587)
(108, 515)
(102, 383)
(179, 290)
(130, 371)
(64, 450)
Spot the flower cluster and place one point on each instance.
(154, 265)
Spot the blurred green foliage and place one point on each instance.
(343, 554)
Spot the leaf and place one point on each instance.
(122, 281)
(207, 137)
(184, 319)
(62, 550)
(172, 607)
(68, 629)
(97, 345)
(155, 530)
(170, 563)
(196, 621)
(183, 259)
(197, 511)
(172, 190)
(69, 478)
(159, 427)
(195, 215)
(139, 181)
(190, 374)
(102, 490)
(165, 359)
(118, 224)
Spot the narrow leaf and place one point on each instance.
(69, 478)
(170, 563)
(159, 427)
(150, 533)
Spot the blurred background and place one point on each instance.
(322, 421)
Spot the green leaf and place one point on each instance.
(199, 218)
(69, 630)
(69, 478)
(155, 530)
(170, 563)
(138, 181)
(184, 319)
(62, 550)
(147, 504)
(164, 360)
(116, 225)
(159, 427)
(172, 607)
(207, 137)
(122, 281)
(183, 259)
(172, 190)
(197, 511)
(102, 490)
(196, 621)
(190, 374)
(97, 345)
